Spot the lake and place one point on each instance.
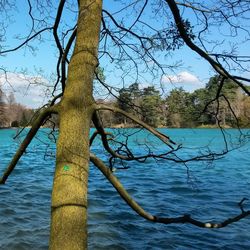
(209, 192)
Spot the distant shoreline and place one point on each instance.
(121, 126)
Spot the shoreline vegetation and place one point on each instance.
(177, 109)
(125, 126)
(209, 126)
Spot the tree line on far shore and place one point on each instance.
(13, 114)
(179, 109)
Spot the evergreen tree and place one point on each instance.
(150, 106)
(180, 109)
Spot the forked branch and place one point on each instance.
(26, 41)
(183, 33)
(36, 125)
(123, 152)
(100, 130)
(93, 136)
(139, 210)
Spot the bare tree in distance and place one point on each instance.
(3, 117)
(95, 36)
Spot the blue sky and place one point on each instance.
(25, 68)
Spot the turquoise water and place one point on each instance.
(208, 192)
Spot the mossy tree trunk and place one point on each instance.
(69, 195)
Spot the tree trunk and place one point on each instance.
(69, 194)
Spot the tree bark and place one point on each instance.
(69, 194)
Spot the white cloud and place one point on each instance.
(182, 77)
(28, 90)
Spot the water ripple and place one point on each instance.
(164, 190)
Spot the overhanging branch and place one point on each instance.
(101, 131)
(161, 136)
(36, 125)
(139, 210)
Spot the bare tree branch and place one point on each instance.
(26, 41)
(64, 58)
(183, 33)
(139, 210)
(100, 129)
(188, 5)
(19, 152)
(162, 137)
(56, 24)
